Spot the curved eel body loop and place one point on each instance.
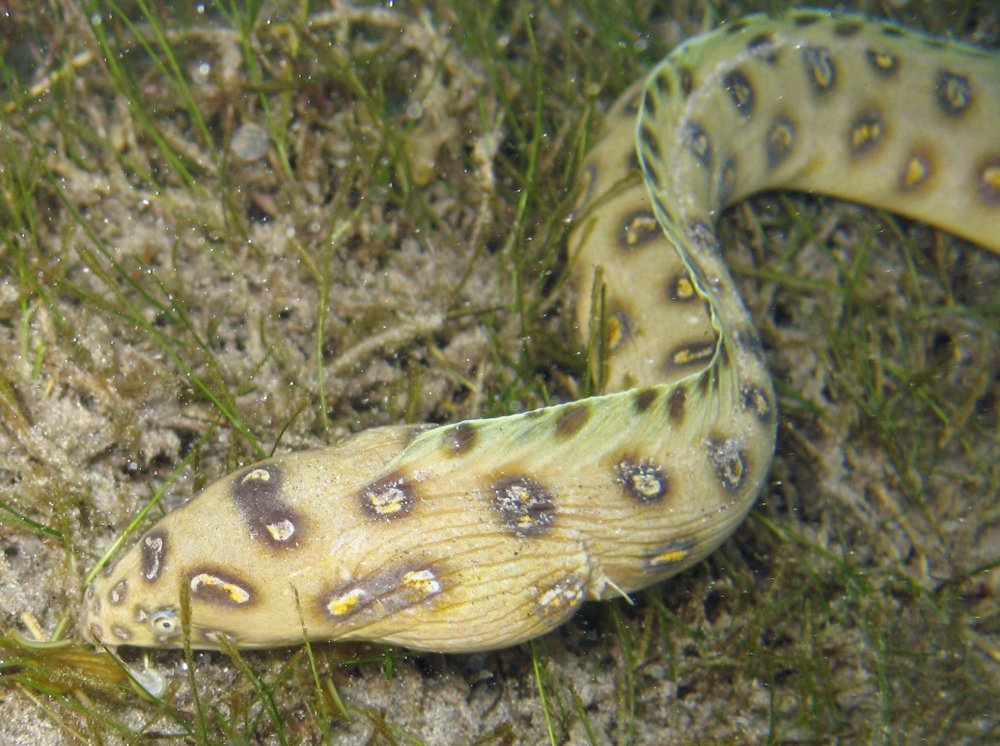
(486, 533)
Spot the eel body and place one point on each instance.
(486, 533)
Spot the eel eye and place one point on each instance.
(165, 623)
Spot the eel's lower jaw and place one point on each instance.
(89, 631)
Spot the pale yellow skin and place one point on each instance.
(490, 532)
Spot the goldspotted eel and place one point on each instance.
(486, 533)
